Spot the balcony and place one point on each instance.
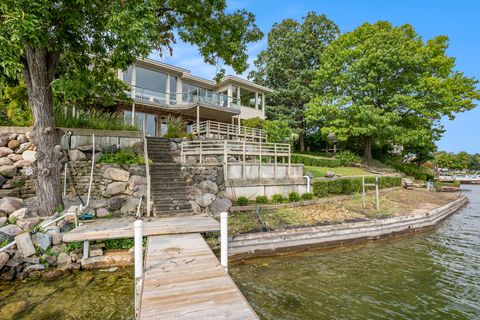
(218, 130)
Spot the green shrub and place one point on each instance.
(321, 188)
(293, 197)
(92, 119)
(261, 200)
(242, 201)
(122, 157)
(347, 158)
(446, 184)
(175, 127)
(307, 196)
(315, 162)
(415, 171)
(277, 198)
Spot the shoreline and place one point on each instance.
(291, 240)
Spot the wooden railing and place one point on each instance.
(243, 151)
(228, 131)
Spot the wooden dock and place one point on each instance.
(123, 228)
(184, 280)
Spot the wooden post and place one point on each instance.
(275, 155)
(138, 248)
(244, 161)
(201, 152)
(225, 161)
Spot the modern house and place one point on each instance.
(209, 108)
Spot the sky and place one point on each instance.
(457, 19)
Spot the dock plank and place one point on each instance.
(183, 279)
(123, 228)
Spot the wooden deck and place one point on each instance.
(123, 228)
(184, 280)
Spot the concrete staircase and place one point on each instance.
(167, 184)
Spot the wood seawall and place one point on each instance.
(295, 239)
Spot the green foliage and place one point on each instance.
(278, 131)
(261, 200)
(122, 157)
(452, 161)
(287, 65)
(384, 84)
(14, 105)
(91, 119)
(175, 127)
(256, 123)
(277, 199)
(119, 244)
(72, 246)
(415, 171)
(439, 185)
(347, 158)
(322, 188)
(293, 197)
(4, 243)
(242, 201)
(315, 162)
(307, 196)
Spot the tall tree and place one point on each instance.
(288, 65)
(36, 35)
(383, 83)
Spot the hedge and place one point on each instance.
(412, 170)
(315, 162)
(322, 188)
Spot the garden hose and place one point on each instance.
(69, 136)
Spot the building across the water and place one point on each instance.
(159, 90)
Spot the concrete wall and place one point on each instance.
(259, 188)
(252, 171)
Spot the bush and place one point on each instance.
(261, 200)
(242, 201)
(175, 127)
(91, 119)
(293, 197)
(315, 162)
(307, 196)
(122, 157)
(412, 170)
(277, 198)
(347, 158)
(321, 188)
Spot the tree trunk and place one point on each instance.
(367, 153)
(301, 141)
(40, 66)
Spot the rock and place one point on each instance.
(102, 212)
(32, 260)
(138, 170)
(116, 174)
(15, 157)
(88, 148)
(57, 238)
(97, 157)
(116, 203)
(173, 146)
(4, 139)
(21, 213)
(2, 181)
(58, 249)
(98, 203)
(27, 224)
(13, 309)
(211, 160)
(22, 138)
(329, 174)
(108, 260)
(11, 230)
(3, 259)
(4, 151)
(140, 191)
(53, 274)
(195, 207)
(76, 155)
(23, 147)
(34, 268)
(25, 245)
(8, 171)
(10, 204)
(208, 186)
(197, 179)
(115, 188)
(193, 192)
(220, 179)
(112, 149)
(3, 220)
(13, 144)
(22, 163)
(204, 200)
(138, 147)
(12, 136)
(64, 261)
(96, 252)
(221, 205)
(136, 181)
(232, 159)
(29, 155)
(15, 261)
(5, 161)
(130, 206)
(42, 240)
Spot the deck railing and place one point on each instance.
(244, 152)
(228, 131)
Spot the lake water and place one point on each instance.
(432, 275)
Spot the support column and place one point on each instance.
(167, 91)
(133, 114)
(198, 120)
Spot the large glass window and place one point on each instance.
(151, 85)
(127, 75)
(189, 92)
(173, 90)
(260, 100)
(247, 98)
(150, 121)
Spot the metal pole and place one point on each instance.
(224, 240)
(376, 193)
(308, 183)
(138, 241)
(86, 249)
(65, 180)
(363, 191)
(91, 171)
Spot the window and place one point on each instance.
(247, 98)
(127, 75)
(173, 90)
(234, 92)
(150, 121)
(260, 100)
(151, 85)
(189, 92)
(224, 98)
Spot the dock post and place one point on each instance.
(138, 242)
(86, 249)
(376, 193)
(224, 240)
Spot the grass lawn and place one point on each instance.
(342, 171)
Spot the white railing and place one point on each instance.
(244, 152)
(228, 131)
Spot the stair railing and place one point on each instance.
(147, 170)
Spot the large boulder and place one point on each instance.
(195, 207)
(8, 171)
(22, 138)
(116, 174)
(5, 151)
(21, 213)
(2, 181)
(30, 155)
(23, 147)
(76, 155)
(130, 206)
(3, 221)
(102, 212)
(25, 245)
(4, 139)
(42, 240)
(3, 259)
(22, 163)
(13, 144)
(15, 157)
(138, 170)
(115, 203)
(136, 181)
(10, 204)
(10, 230)
(221, 205)
(208, 186)
(5, 161)
(329, 174)
(193, 192)
(140, 191)
(64, 261)
(27, 224)
(115, 187)
(204, 200)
